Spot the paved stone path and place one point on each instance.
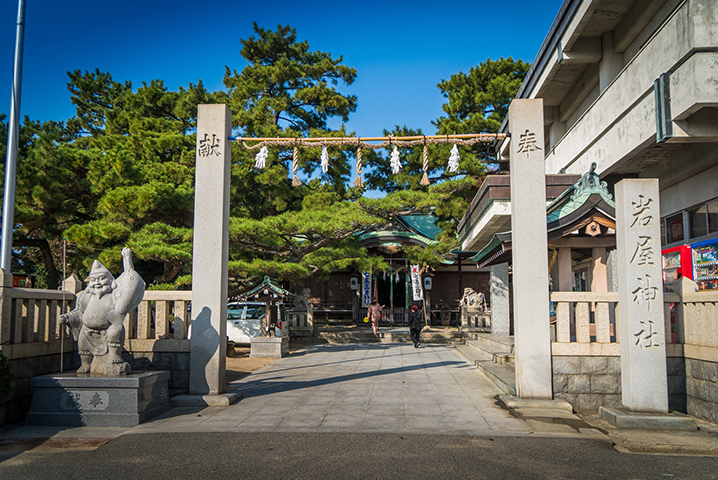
(362, 387)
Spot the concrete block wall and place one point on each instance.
(587, 382)
(14, 408)
(676, 371)
(702, 389)
(590, 382)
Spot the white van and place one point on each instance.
(243, 320)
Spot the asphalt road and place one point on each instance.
(180, 456)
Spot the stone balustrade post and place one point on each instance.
(72, 284)
(5, 306)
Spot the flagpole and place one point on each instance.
(8, 216)
(62, 326)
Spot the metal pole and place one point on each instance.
(62, 327)
(8, 214)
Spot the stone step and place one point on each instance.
(504, 342)
(476, 329)
(384, 337)
(491, 352)
(500, 374)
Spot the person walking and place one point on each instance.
(374, 313)
(416, 323)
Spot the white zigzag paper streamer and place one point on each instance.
(325, 160)
(261, 159)
(395, 162)
(454, 160)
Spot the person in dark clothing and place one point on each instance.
(416, 323)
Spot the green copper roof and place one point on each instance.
(424, 224)
(496, 241)
(270, 285)
(396, 234)
(579, 192)
(565, 204)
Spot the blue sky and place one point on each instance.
(401, 49)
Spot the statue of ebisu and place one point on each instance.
(97, 320)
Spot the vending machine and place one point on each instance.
(677, 263)
(705, 264)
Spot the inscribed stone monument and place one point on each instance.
(640, 302)
(210, 250)
(529, 250)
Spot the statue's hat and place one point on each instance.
(98, 268)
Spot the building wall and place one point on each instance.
(686, 188)
(622, 120)
(448, 286)
(332, 291)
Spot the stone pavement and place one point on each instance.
(379, 388)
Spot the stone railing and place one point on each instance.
(592, 317)
(301, 323)
(586, 323)
(584, 307)
(696, 317)
(162, 315)
(30, 318)
(29, 322)
(474, 318)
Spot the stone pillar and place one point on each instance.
(640, 301)
(611, 64)
(208, 345)
(612, 271)
(500, 299)
(565, 270)
(529, 250)
(599, 273)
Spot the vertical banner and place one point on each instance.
(416, 283)
(365, 289)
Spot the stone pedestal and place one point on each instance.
(648, 421)
(269, 347)
(68, 399)
(500, 299)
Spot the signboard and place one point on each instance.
(418, 293)
(354, 283)
(365, 289)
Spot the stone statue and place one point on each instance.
(473, 299)
(97, 320)
(301, 301)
